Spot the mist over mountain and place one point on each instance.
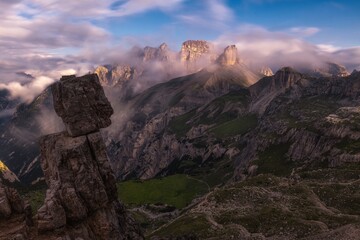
(135, 92)
(176, 119)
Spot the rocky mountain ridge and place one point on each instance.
(225, 75)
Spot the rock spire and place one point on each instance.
(81, 202)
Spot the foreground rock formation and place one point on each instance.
(81, 202)
(15, 215)
(82, 104)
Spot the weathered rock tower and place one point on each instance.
(81, 202)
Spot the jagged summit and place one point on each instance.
(287, 75)
(192, 50)
(266, 71)
(117, 75)
(229, 57)
(163, 46)
(268, 88)
(330, 69)
(162, 53)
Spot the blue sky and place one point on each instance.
(333, 22)
(50, 38)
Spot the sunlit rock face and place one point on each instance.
(195, 54)
(266, 71)
(6, 174)
(330, 69)
(192, 50)
(162, 53)
(116, 76)
(229, 57)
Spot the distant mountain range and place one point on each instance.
(186, 111)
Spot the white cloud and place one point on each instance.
(259, 46)
(130, 7)
(305, 31)
(213, 14)
(36, 35)
(220, 11)
(27, 92)
(328, 47)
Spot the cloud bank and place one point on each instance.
(261, 47)
(49, 38)
(27, 92)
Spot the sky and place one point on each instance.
(50, 38)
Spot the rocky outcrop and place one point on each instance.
(15, 215)
(6, 174)
(267, 88)
(82, 104)
(103, 73)
(229, 57)
(266, 71)
(192, 50)
(282, 80)
(81, 202)
(162, 53)
(116, 76)
(330, 69)
(195, 54)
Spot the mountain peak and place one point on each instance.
(286, 77)
(229, 56)
(266, 71)
(330, 69)
(267, 88)
(192, 50)
(163, 46)
(287, 70)
(161, 53)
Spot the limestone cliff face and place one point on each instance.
(81, 202)
(146, 147)
(330, 69)
(310, 115)
(266, 71)
(266, 89)
(117, 75)
(192, 50)
(195, 54)
(229, 57)
(162, 53)
(314, 120)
